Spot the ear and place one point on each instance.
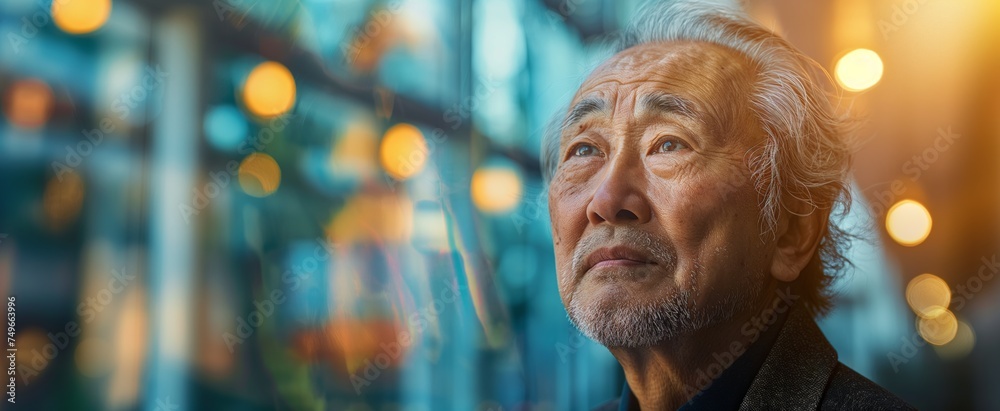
(797, 239)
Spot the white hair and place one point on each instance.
(804, 162)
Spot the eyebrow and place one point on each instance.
(658, 103)
(583, 109)
(666, 103)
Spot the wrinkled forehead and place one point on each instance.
(716, 79)
(642, 58)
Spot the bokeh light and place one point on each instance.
(859, 70)
(62, 199)
(28, 103)
(368, 219)
(130, 340)
(400, 190)
(908, 222)
(353, 153)
(348, 344)
(269, 90)
(403, 151)
(259, 175)
(91, 357)
(961, 345)
(926, 293)
(35, 340)
(939, 328)
(496, 189)
(225, 127)
(80, 16)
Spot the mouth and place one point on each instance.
(618, 256)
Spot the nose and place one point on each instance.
(620, 198)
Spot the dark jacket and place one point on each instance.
(801, 372)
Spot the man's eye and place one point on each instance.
(671, 145)
(584, 150)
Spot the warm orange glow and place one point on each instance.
(346, 344)
(80, 16)
(927, 294)
(131, 342)
(373, 219)
(92, 357)
(354, 152)
(961, 345)
(496, 189)
(939, 328)
(403, 152)
(62, 199)
(259, 175)
(34, 339)
(269, 90)
(29, 103)
(859, 70)
(908, 222)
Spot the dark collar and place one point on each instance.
(796, 371)
(793, 348)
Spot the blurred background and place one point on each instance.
(337, 204)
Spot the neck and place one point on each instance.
(667, 375)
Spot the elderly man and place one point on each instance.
(691, 187)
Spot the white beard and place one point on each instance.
(634, 325)
(631, 324)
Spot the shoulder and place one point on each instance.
(848, 390)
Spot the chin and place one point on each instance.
(615, 316)
(631, 324)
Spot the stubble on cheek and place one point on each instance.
(559, 192)
(563, 227)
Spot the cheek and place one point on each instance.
(711, 222)
(567, 201)
(567, 211)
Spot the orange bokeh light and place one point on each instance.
(28, 104)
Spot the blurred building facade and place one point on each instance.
(337, 204)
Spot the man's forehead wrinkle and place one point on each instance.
(630, 60)
(634, 66)
(713, 78)
(629, 96)
(663, 64)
